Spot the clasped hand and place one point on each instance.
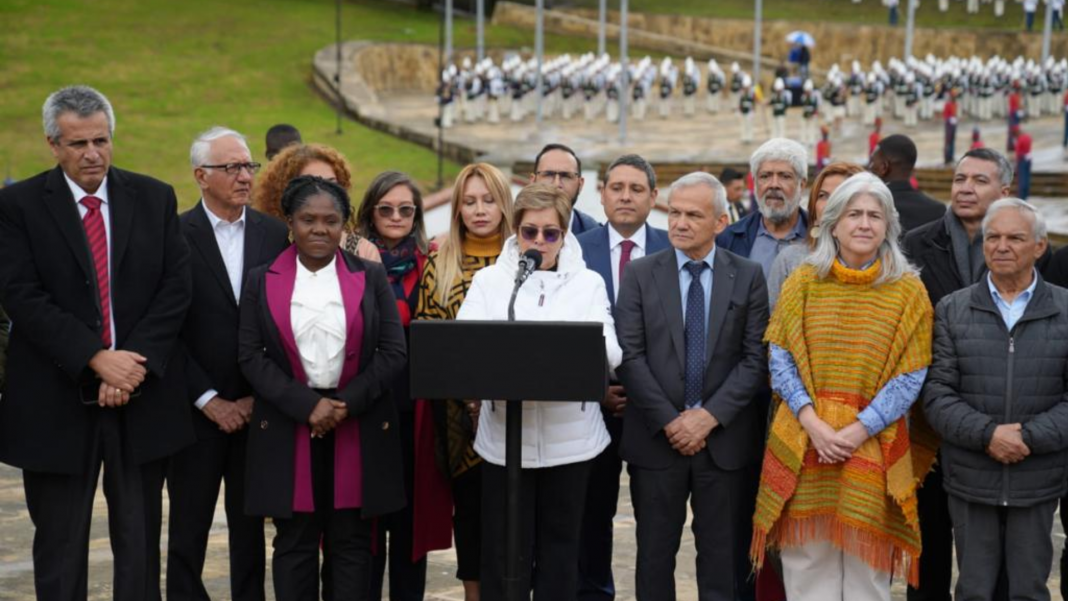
(688, 433)
(230, 416)
(1007, 445)
(328, 413)
(120, 373)
(832, 446)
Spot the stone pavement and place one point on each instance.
(16, 566)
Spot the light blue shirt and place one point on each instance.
(706, 282)
(1011, 313)
(766, 247)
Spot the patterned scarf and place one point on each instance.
(399, 261)
(848, 338)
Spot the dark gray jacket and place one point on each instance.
(983, 375)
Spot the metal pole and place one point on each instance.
(480, 25)
(441, 107)
(624, 73)
(539, 52)
(602, 17)
(910, 27)
(448, 31)
(758, 23)
(337, 77)
(1047, 31)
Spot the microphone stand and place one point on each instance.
(513, 461)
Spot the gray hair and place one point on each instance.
(639, 163)
(1038, 222)
(200, 151)
(700, 178)
(80, 100)
(1005, 168)
(781, 149)
(894, 264)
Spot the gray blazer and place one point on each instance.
(649, 325)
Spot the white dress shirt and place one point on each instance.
(230, 237)
(105, 213)
(317, 313)
(615, 244)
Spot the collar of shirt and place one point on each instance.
(682, 259)
(79, 194)
(615, 238)
(216, 220)
(1023, 297)
(303, 273)
(797, 232)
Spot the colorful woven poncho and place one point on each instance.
(848, 338)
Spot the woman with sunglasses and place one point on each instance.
(321, 344)
(560, 439)
(391, 218)
(481, 221)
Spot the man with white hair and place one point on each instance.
(698, 311)
(95, 272)
(780, 172)
(996, 394)
(227, 238)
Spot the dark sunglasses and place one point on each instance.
(551, 234)
(386, 211)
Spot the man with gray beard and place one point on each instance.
(780, 171)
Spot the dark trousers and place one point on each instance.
(1064, 554)
(345, 538)
(61, 507)
(1029, 21)
(596, 582)
(988, 537)
(936, 532)
(893, 16)
(552, 502)
(467, 523)
(407, 579)
(717, 499)
(1023, 179)
(193, 479)
(950, 146)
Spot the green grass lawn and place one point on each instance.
(173, 68)
(868, 11)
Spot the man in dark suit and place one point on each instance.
(559, 165)
(94, 271)
(628, 196)
(691, 321)
(227, 238)
(893, 161)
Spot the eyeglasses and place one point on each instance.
(551, 234)
(235, 168)
(386, 211)
(566, 177)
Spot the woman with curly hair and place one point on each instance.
(309, 159)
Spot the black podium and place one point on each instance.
(514, 361)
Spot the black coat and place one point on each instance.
(982, 376)
(914, 208)
(49, 290)
(282, 402)
(210, 331)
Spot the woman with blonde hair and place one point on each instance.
(481, 221)
(309, 159)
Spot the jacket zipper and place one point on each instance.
(1008, 414)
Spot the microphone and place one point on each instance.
(529, 262)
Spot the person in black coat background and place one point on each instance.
(94, 271)
(321, 341)
(227, 238)
(893, 161)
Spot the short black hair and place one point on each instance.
(729, 175)
(899, 150)
(552, 147)
(301, 188)
(633, 160)
(1005, 168)
(280, 136)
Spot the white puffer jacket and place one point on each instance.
(554, 433)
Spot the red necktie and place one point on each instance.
(624, 257)
(98, 249)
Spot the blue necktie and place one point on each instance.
(695, 335)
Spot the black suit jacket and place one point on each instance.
(282, 402)
(582, 222)
(49, 289)
(914, 207)
(210, 332)
(649, 325)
